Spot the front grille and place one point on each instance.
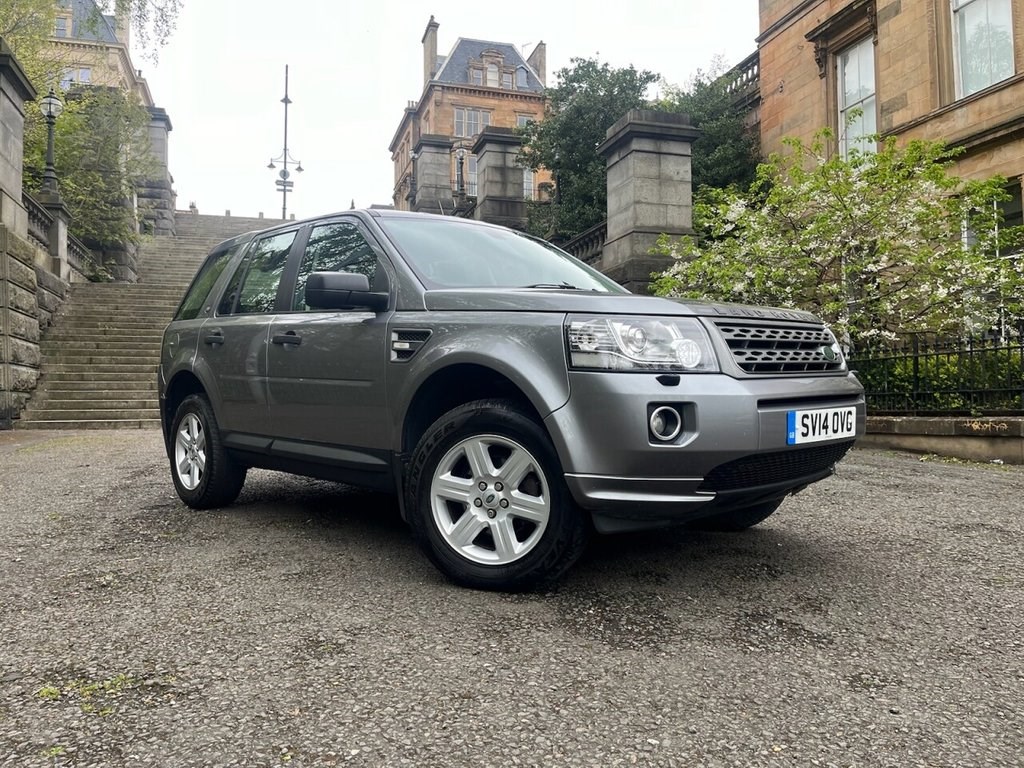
(770, 468)
(766, 348)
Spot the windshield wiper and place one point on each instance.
(561, 286)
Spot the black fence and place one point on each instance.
(926, 374)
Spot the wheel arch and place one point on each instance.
(183, 384)
(453, 386)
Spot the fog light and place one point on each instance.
(666, 423)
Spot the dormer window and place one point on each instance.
(506, 81)
(492, 75)
(521, 79)
(476, 76)
(61, 28)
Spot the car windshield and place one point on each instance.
(451, 254)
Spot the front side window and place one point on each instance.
(266, 264)
(856, 85)
(469, 122)
(983, 43)
(336, 247)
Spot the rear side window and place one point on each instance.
(204, 281)
(266, 261)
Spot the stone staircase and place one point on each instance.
(100, 355)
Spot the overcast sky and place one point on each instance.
(354, 66)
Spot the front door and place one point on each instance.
(326, 368)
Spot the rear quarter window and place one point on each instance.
(204, 281)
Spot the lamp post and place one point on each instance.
(460, 176)
(51, 107)
(284, 183)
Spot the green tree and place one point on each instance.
(100, 150)
(589, 98)
(876, 243)
(727, 151)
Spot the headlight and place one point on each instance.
(639, 344)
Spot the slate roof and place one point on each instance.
(456, 66)
(88, 23)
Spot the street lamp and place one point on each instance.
(284, 183)
(51, 107)
(460, 178)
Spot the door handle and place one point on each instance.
(214, 337)
(290, 339)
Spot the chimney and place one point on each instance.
(123, 27)
(539, 61)
(430, 50)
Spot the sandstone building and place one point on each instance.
(950, 70)
(437, 150)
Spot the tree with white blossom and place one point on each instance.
(875, 243)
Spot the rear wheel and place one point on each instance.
(205, 476)
(488, 502)
(737, 519)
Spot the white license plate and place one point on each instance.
(820, 424)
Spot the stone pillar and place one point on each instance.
(156, 194)
(432, 170)
(15, 90)
(57, 236)
(499, 178)
(649, 192)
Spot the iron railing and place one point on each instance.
(927, 374)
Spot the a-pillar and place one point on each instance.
(432, 175)
(500, 196)
(649, 192)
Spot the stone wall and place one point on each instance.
(19, 325)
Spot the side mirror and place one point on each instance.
(342, 290)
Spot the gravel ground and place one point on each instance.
(875, 620)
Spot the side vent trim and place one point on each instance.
(406, 342)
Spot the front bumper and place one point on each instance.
(731, 453)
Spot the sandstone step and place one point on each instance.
(96, 386)
(96, 414)
(49, 406)
(144, 423)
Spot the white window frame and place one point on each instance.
(956, 8)
(493, 76)
(528, 184)
(867, 103)
(469, 122)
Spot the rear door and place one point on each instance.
(326, 368)
(233, 343)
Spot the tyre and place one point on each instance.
(737, 519)
(205, 476)
(488, 502)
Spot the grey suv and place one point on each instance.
(511, 397)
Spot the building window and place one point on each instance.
(521, 79)
(469, 122)
(982, 42)
(528, 179)
(506, 81)
(523, 120)
(492, 75)
(471, 176)
(855, 79)
(85, 75)
(61, 29)
(476, 76)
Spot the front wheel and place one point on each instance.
(736, 519)
(205, 476)
(488, 502)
